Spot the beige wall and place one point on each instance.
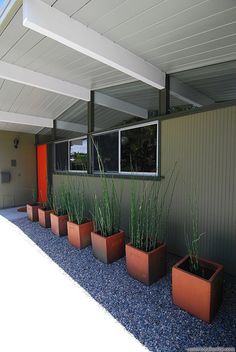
(23, 176)
(204, 147)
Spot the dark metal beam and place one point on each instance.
(91, 113)
(164, 98)
(54, 130)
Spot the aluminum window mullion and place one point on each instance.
(68, 147)
(119, 152)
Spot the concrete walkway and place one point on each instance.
(42, 309)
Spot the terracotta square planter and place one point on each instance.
(32, 212)
(147, 267)
(59, 224)
(108, 249)
(44, 217)
(198, 296)
(79, 235)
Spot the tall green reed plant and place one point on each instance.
(34, 195)
(193, 235)
(59, 200)
(76, 202)
(150, 205)
(48, 205)
(107, 207)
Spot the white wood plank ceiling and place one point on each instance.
(174, 35)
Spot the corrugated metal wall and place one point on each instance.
(204, 147)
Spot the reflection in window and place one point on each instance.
(61, 156)
(78, 154)
(107, 146)
(139, 149)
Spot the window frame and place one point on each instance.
(55, 160)
(132, 173)
(71, 140)
(119, 173)
(136, 173)
(97, 172)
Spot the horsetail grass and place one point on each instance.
(107, 207)
(59, 200)
(149, 211)
(76, 202)
(193, 235)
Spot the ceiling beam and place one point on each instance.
(29, 120)
(71, 126)
(22, 119)
(56, 25)
(188, 94)
(39, 80)
(119, 105)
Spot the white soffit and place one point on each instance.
(23, 99)
(54, 24)
(173, 35)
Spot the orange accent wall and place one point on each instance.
(42, 172)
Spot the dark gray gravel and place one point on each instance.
(146, 312)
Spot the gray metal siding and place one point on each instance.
(204, 147)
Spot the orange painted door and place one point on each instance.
(42, 172)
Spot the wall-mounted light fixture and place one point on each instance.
(16, 142)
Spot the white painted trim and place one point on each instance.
(105, 132)
(139, 125)
(120, 105)
(56, 25)
(39, 80)
(119, 152)
(187, 94)
(22, 119)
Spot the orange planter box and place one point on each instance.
(44, 217)
(59, 224)
(147, 267)
(108, 249)
(79, 235)
(32, 212)
(198, 296)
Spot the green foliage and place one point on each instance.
(34, 195)
(107, 207)
(76, 202)
(48, 205)
(193, 235)
(59, 200)
(149, 212)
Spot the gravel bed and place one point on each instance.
(146, 312)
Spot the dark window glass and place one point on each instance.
(78, 155)
(61, 156)
(107, 145)
(139, 149)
